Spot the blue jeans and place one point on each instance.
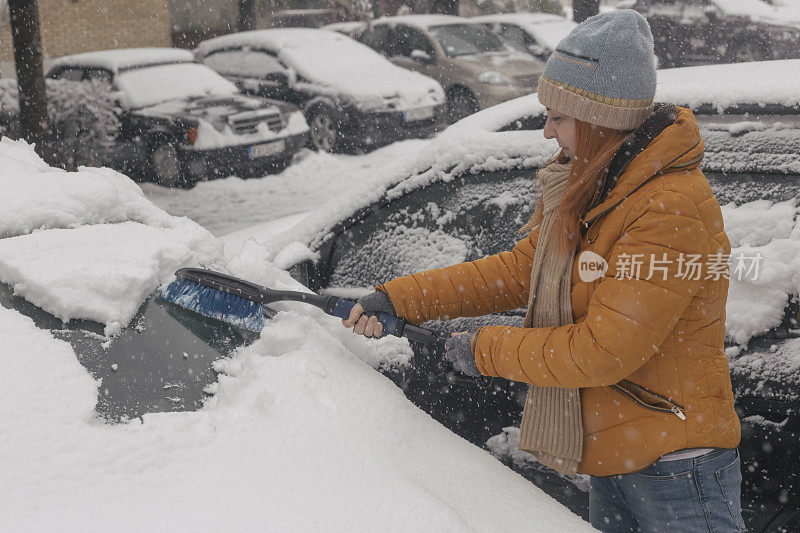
(686, 495)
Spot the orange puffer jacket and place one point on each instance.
(646, 346)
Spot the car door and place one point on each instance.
(753, 166)
(408, 43)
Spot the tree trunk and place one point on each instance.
(247, 15)
(27, 39)
(583, 9)
(445, 7)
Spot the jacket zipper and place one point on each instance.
(675, 408)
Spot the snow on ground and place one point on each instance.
(300, 434)
(230, 204)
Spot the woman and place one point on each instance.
(628, 379)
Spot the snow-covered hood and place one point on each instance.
(215, 118)
(215, 110)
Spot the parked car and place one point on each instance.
(465, 194)
(696, 32)
(182, 122)
(537, 34)
(351, 96)
(476, 69)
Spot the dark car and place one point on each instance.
(696, 32)
(466, 194)
(352, 96)
(181, 122)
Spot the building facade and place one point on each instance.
(73, 26)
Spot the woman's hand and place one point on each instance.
(458, 350)
(362, 324)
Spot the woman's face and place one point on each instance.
(562, 129)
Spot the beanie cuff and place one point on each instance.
(621, 114)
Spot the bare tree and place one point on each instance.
(27, 39)
(583, 9)
(446, 7)
(247, 15)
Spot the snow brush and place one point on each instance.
(241, 303)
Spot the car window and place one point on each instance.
(408, 39)
(244, 62)
(98, 74)
(161, 362)
(446, 223)
(148, 86)
(70, 73)
(466, 39)
(378, 38)
(515, 35)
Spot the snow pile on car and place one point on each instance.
(299, 434)
(755, 83)
(87, 244)
(765, 266)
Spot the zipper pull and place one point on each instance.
(675, 409)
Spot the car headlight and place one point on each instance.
(495, 78)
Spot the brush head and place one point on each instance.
(214, 303)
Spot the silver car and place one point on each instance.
(476, 69)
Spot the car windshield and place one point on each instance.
(161, 83)
(466, 39)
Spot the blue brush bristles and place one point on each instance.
(214, 303)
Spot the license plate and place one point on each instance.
(263, 150)
(419, 113)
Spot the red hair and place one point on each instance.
(595, 146)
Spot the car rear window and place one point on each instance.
(466, 39)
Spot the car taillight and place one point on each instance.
(191, 134)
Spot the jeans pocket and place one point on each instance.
(729, 478)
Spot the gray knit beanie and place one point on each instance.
(603, 72)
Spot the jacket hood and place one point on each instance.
(667, 141)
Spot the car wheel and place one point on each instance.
(324, 130)
(460, 103)
(166, 166)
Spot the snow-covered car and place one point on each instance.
(351, 95)
(476, 69)
(697, 32)
(181, 122)
(537, 34)
(123, 412)
(461, 196)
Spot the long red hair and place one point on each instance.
(595, 146)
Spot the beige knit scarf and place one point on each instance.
(552, 427)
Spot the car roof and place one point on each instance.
(423, 21)
(275, 39)
(125, 58)
(731, 85)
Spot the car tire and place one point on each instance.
(166, 166)
(324, 129)
(460, 103)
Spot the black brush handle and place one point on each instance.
(332, 305)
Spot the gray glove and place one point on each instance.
(458, 350)
(377, 302)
